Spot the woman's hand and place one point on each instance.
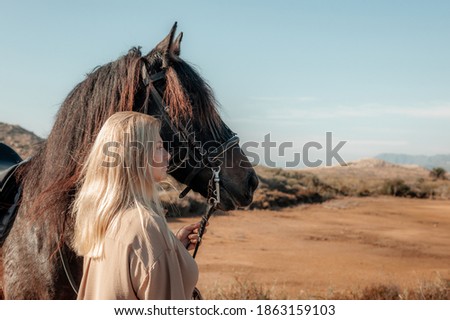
(188, 235)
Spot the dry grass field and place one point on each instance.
(349, 248)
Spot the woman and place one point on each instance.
(120, 229)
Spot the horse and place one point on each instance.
(38, 260)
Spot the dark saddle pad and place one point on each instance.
(10, 188)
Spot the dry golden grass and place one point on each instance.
(245, 289)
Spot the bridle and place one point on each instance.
(207, 159)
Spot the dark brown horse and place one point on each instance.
(32, 268)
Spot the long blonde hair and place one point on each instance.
(114, 181)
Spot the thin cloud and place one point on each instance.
(378, 142)
(285, 100)
(365, 111)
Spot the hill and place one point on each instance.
(429, 162)
(372, 177)
(24, 142)
(281, 188)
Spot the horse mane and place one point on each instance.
(51, 176)
(197, 98)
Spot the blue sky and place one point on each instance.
(375, 74)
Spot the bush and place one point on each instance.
(396, 187)
(284, 188)
(380, 292)
(438, 173)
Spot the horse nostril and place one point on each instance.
(253, 181)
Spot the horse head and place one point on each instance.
(192, 129)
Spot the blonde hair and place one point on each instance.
(109, 188)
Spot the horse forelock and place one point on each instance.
(190, 97)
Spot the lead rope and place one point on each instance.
(213, 202)
(66, 267)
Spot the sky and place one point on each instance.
(375, 74)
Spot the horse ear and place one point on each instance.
(165, 45)
(177, 44)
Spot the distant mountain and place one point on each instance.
(429, 162)
(24, 142)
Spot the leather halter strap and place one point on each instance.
(212, 158)
(207, 159)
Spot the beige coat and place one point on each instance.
(140, 263)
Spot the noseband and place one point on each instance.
(208, 159)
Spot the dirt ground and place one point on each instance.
(315, 250)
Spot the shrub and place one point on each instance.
(438, 173)
(396, 187)
(380, 292)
